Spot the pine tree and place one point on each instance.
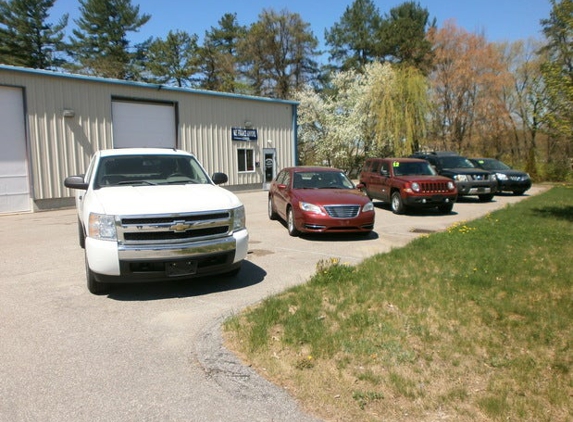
(26, 38)
(100, 45)
(353, 40)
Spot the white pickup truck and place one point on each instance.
(152, 214)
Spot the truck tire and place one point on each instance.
(81, 235)
(94, 286)
(396, 203)
(485, 198)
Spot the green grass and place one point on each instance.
(474, 323)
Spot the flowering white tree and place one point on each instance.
(338, 128)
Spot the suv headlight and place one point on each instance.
(500, 176)
(415, 186)
(461, 177)
(102, 227)
(239, 218)
(451, 186)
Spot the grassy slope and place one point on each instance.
(470, 324)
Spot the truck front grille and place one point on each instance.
(159, 229)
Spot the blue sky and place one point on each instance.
(499, 20)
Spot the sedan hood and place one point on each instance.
(135, 200)
(332, 196)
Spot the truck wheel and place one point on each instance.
(271, 210)
(397, 204)
(292, 230)
(94, 286)
(81, 235)
(485, 198)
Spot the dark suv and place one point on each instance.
(469, 179)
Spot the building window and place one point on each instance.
(246, 159)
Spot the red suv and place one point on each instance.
(407, 182)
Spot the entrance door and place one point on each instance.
(269, 167)
(14, 180)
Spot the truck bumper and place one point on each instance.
(110, 262)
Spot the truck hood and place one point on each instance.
(135, 200)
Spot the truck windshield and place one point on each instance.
(149, 170)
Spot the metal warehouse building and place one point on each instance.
(52, 123)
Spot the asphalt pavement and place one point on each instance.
(152, 352)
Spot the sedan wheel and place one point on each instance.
(292, 230)
(271, 210)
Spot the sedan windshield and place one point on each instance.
(149, 170)
(321, 180)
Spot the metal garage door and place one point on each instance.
(14, 178)
(140, 124)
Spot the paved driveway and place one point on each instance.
(152, 352)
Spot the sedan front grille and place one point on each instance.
(342, 211)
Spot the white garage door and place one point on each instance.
(137, 124)
(14, 180)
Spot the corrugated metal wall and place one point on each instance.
(60, 146)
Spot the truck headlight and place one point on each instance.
(461, 177)
(239, 218)
(500, 176)
(102, 227)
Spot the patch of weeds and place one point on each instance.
(363, 398)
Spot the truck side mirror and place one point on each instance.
(219, 178)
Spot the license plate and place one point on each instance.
(180, 268)
(480, 190)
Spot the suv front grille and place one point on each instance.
(434, 187)
(342, 211)
(173, 228)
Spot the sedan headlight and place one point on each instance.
(369, 206)
(305, 206)
(461, 177)
(102, 227)
(239, 218)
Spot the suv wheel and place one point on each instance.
(446, 208)
(397, 204)
(486, 198)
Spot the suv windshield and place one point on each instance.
(456, 162)
(493, 165)
(149, 170)
(413, 169)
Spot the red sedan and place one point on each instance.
(319, 200)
